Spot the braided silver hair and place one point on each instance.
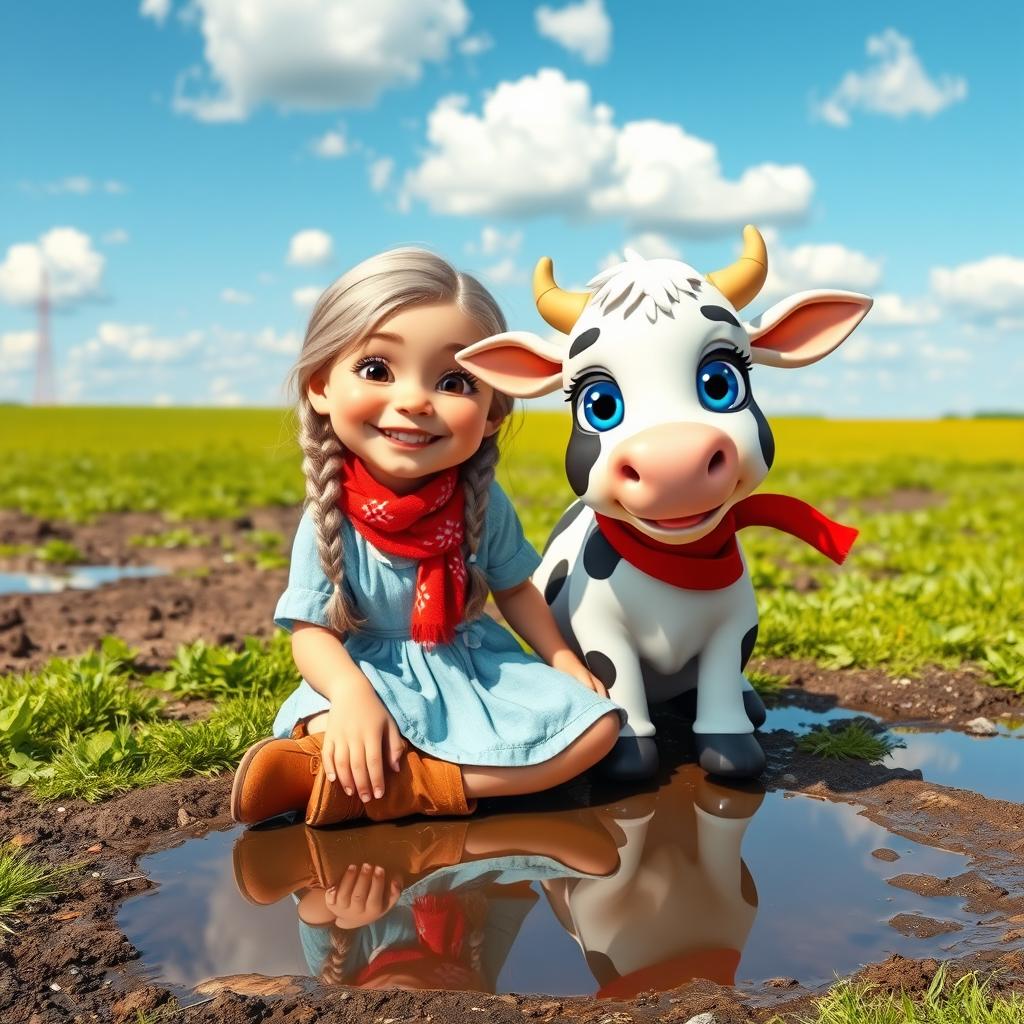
(346, 312)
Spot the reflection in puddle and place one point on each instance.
(990, 765)
(80, 577)
(645, 892)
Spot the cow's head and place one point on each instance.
(666, 434)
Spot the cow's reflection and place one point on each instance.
(651, 887)
(681, 903)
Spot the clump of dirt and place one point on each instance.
(920, 927)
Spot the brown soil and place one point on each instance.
(66, 960)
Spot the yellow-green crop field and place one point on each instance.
(936, 578)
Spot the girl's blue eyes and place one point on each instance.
(721, 386)
(454, 382)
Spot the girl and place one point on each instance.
(404, 534)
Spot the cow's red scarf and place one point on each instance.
(714, 561)
(426, 525)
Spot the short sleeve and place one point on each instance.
(509, 558)
(309, 589)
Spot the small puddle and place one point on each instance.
(79, 577)
(646, 892)
(990, 765)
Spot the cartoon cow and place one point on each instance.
(643, 573)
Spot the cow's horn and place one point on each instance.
(559, 308)
(741, 281)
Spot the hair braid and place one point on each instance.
(477, 474)
(333, 971)
(321, 464)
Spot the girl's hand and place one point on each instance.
(361, 896)
(360, 735)
(567, 662)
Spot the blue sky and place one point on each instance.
(192, 173)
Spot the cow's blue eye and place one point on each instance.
(721, 386)
(600, 406)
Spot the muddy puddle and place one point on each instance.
(694, 880)
(79, 577)
(990, 765)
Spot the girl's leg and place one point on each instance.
(587, 750)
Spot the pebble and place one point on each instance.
(789, 779)
(702, 1018)
(54, 987)
(982, 727)
(62, 810)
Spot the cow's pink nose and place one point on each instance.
(673, 471)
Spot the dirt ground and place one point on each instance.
(67, 961)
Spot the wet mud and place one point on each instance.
(68, 959)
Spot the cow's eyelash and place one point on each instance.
(580, 380)
(736, 351)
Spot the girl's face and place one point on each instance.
(401, 403)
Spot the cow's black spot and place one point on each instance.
(580, 456)
(563, 524)
(747, 645)
(602, 667)
(720, 314)
(764, 434)
(556, 581)
(599, 557)
(584, 341)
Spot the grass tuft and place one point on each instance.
(22, 881)
(967, 1001)
(768, 685)
(853, 742)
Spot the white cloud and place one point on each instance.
(162, 400)
(305, 298)
(816, 265)
(380, 173)
(116, 236)
(136, 342)
(222, 392)
(862, 348)
(234, 297)
(155, 9)
(474, 45)
(505, 271)
(653, 246)
(945, 355)
(541, 146)
(74, 269)
(76, 185)
(312, 54)
(492, 242)
(330, 145)
(891, 310)
(310, 248)
(583, 28)
(17, 349)
(992, 285)
(895, 85)
(287, 343)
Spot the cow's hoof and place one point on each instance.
(632, 759)
(730, 755)
(754, 707)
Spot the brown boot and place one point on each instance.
(275, 776)
(423, 785)
(271, 863)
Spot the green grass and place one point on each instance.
(22, 881)
(182, 537)
(90, 727)
(941, 585)
(968, 1001)
(765, 683)
(853, 742)
(59, 552)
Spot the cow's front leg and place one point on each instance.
(724, 734)
(611, 656)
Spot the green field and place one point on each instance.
(942, 583)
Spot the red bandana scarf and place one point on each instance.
(714, 561)
(426, 525)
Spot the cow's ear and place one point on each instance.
(517, 363)
(805, 327)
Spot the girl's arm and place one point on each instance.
(526, 611)
(359, 731)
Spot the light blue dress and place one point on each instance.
(478, 700)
